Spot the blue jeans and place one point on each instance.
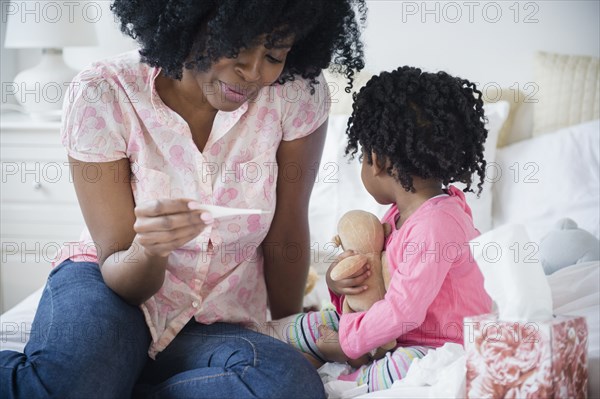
(86, 342)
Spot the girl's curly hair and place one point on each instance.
(174, 33)
(429, 125)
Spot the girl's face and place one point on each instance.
(232, 81)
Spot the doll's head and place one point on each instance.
(420, 125)
(566, 245)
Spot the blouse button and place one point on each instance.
(195, 304)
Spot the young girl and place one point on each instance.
(417, 133)
(154, 298)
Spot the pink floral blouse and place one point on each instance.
(113, 111)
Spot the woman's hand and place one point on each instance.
(166, 224)
(351, 285)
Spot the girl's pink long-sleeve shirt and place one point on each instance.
(435, 282)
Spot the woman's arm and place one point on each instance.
(287, 245)
(135, 272)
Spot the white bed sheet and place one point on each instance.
(16, 322)
(575, 291)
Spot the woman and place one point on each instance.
(226, 106)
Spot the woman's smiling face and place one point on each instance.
(232, 81)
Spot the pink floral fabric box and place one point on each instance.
(526, 360)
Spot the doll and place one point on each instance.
(567, 245)
(363, 233)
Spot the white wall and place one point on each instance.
(8, 58)
(467, 38)
(482, 45)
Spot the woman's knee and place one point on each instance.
(289, 372)
(269, 367)
(79, 306)
(85, 337)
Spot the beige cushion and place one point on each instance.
(518, 125)
(569, 91)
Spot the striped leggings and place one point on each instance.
(303, 331)
(381, 374)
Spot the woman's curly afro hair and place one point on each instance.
(174, 33)
(429, 125)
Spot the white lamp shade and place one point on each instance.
(50, 24)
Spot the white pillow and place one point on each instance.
(482, 207)
(549, 177)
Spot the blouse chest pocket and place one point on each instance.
(149, 184)
(258, 178)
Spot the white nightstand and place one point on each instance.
(39, 209)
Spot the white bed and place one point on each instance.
(544, 159)
(565, 163)
(575, 291)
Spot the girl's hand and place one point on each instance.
(166, 224)
(352, 285)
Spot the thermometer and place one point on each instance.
(223, 211)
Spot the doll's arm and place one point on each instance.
(353, 283)
(347, 267)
